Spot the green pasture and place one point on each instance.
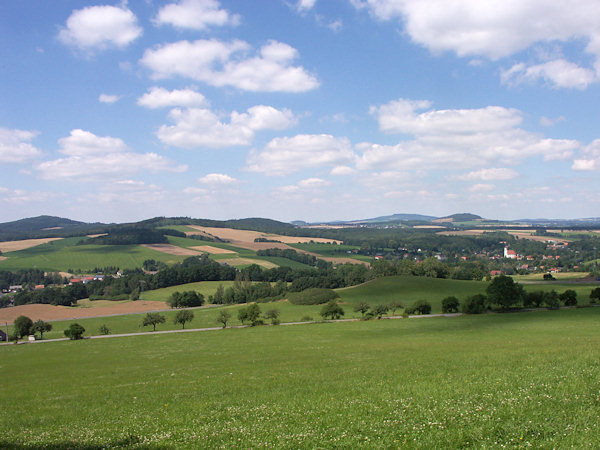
(559, 276)
(409, 289)
(205, 288)
(64, 254)
(491, 381)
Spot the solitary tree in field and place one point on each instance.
(74, 332)
(332, 310)
(183, 316)
(39, 326)
(595, 295)
(362, 307)
(224, 317)
(104, 329)
(153, 319)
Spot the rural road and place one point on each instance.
(190, 330)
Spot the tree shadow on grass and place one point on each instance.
(130, 441)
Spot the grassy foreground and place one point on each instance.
(528, 379)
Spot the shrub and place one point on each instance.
(103, 329)
(380, 310)
(476, 304)
(535, 298)
(185, 299)
(421, 307)
(595, 295)
(74, 332)
(332, 310)
(306, 319)
(312, 296)
(569, 297)
(551, 299)
(273, 316)
(450, 305)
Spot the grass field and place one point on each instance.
(64, 254)
(490, 381)
(205, 288)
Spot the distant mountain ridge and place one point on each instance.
(38, 223)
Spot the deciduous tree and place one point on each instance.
(39, 326)
(224, 317)
(332, 310)
(183, 316)
(153, 319)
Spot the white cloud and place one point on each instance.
(159, 97)
(589, 158)
(482, 187)
(15, 146)
(342, 170)
(305, 5)
(498, 29)
(195, 15)
(285, 155)
(313, 183)
(228, 64)
(460, 138)
(20, 196)
(108, 98)
(217, 179)
(93, 158)
(100, 27)
(495, 174)
(130, 192)
(559, 73)
(548, 122)
(195, 127)
(308, 188)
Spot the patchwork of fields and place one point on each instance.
(528, 379)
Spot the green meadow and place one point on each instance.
(491, 381)
(205, 288)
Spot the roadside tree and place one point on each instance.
(74, 332)
(362, 307)
(595, 295)
(183, 316)
(569, 297)
(393, 306)
(450, 305)
(504, 292)
(253, 314)
(273, 316)
(22, 326)
(224, 317)
(153, 319)
(39, 326)
(332, 310)
(476, 304)
(380, 310)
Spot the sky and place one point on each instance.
(315, 110)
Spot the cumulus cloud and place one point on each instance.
(92, 158)
(498, 29)
(217, 179)
(100, 27)
(342, 170)
(195, 15)
(108, 98)
(558, 73)
(21, 196)
(300, 190)
(482, 187)
(305, 5)
(158, 97)
(229, 64)
(286, 155)
(495, 174)
(15, 146)
(456, 138)
(590, 158)
(196, 127)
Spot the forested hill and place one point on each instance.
(38, 223)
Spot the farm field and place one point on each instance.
(528, 379)
(63, 254)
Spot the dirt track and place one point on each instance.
(49, 312)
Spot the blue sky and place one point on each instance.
(314, 109)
